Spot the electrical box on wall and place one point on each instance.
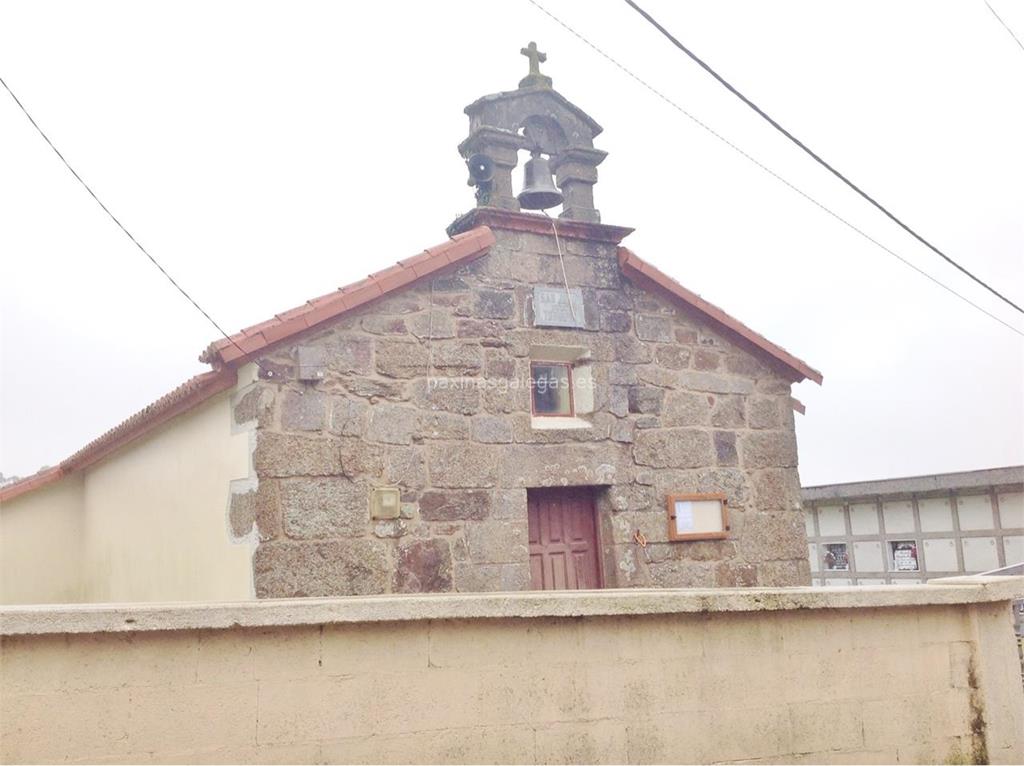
(385, 503)
(312, 363)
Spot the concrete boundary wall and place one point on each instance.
(912, 674)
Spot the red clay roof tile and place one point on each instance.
(256, 338)
(288, 315)
(256, 328)
(462, 247)
(353, 286)
(325, 310)
(39, 479)
(415, 260)
(189, 394)
(638, 269)
(280, 330)
(315, 302)
(368, 292)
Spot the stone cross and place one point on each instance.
(536, 57)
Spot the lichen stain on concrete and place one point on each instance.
(956, 757)
(979, 746)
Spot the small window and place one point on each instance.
(837, 558)
(551, 389)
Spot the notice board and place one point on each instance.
(697, 517)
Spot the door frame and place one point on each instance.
(592, 490)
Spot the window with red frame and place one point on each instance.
(551, 389)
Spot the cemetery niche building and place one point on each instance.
(910, 530)
(528, 405)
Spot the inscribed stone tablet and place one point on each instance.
(551, 307)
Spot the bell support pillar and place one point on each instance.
(576, 174)
(502, 146)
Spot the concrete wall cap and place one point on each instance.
(119, 618)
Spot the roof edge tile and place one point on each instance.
(35, 481)
(185, 397)
(258, 337)
(634, 266)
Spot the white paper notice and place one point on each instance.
(684, 516)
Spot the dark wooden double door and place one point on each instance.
(564, 551)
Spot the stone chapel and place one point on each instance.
(529, 405)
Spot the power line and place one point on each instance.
(767, 169)
(127, 233)
(817, 158)
(1005, 26)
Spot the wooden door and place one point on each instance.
(564, 553)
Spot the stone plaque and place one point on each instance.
(551, 307)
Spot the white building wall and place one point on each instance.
(148, 523)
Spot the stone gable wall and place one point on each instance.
(677, 408)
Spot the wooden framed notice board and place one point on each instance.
(697, 517)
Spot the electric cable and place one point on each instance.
(121, 226)
(815, 156)
(768, 170)
(1005, 26)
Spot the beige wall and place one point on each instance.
(149, 523)
(41, 545)
(795, 675)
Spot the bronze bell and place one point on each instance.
(539, 190)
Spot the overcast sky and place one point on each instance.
(266, 153)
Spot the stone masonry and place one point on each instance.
(427, 389)
(678, 407)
